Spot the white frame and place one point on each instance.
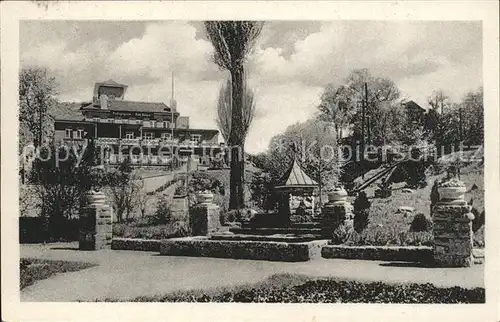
(127, 136)
(68, 132)
(149, 135)
(198, 140)
(166, 136)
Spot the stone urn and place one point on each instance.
(96, 198)
(205, 197)
(337, 195)
(452, 190)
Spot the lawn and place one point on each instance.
(291, 288)
(32, 270)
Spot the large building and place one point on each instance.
(147, 133)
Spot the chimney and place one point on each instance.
(104, 101)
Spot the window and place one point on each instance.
(78, 134)
(129, 135)
(166, 136)
(153, 123)
(67, 133)
(166, 124)
(196, 138)
(149, 135)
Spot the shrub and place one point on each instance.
(361, 211)
(327, 291)
(478, 220)
(342, 234)
(181, 190)
(420, 223)
(162, 215)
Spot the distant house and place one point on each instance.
(415, 112)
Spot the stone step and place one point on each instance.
(276, 230)
(275, 238)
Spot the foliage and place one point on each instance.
(263, 193)
(342, 234)
(163, 213)
(181, 190)
(61, 181)
(233, 42)
(361, 211)
(389, 235)
(171, 230)
(298, 289)
(124, 190)
(449, 122)
(313, 144)
(37, 94)
(33, 270)
(420, 223)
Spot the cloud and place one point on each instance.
(290, 66)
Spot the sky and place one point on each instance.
(290, 66)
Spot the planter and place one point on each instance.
(205, 197)
(96, 198)
(451, 193)
(337, 195)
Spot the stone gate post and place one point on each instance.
(338, 211)
(95, 223)
(452, 226)
(204, 216)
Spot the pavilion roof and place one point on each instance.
(295, 177)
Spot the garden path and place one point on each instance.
(129, 274)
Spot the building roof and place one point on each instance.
(133, 106)
(413, 105)
(66, 111)
(295, 177)
(111, 82)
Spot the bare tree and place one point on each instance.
(224, 110)
(37, 94)
(233, 41)
(142, 197)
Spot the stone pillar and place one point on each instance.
(452, 226)
(204, 216)
(337, 212)
(96, 223)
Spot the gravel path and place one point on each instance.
(129, 274)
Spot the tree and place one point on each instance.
(233, 42)
(314, 144)
(37, 94)
(337, 107)
(123, 190)
(142, 198)
(224, 110)
(62, 183)
(343, 105)
(472, 118)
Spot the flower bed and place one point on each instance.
(330, 291)
(32, 270)
(385, 253)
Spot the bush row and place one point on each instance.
(334, 291)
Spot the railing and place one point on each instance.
(155, 142)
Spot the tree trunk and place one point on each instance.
(236, 140)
